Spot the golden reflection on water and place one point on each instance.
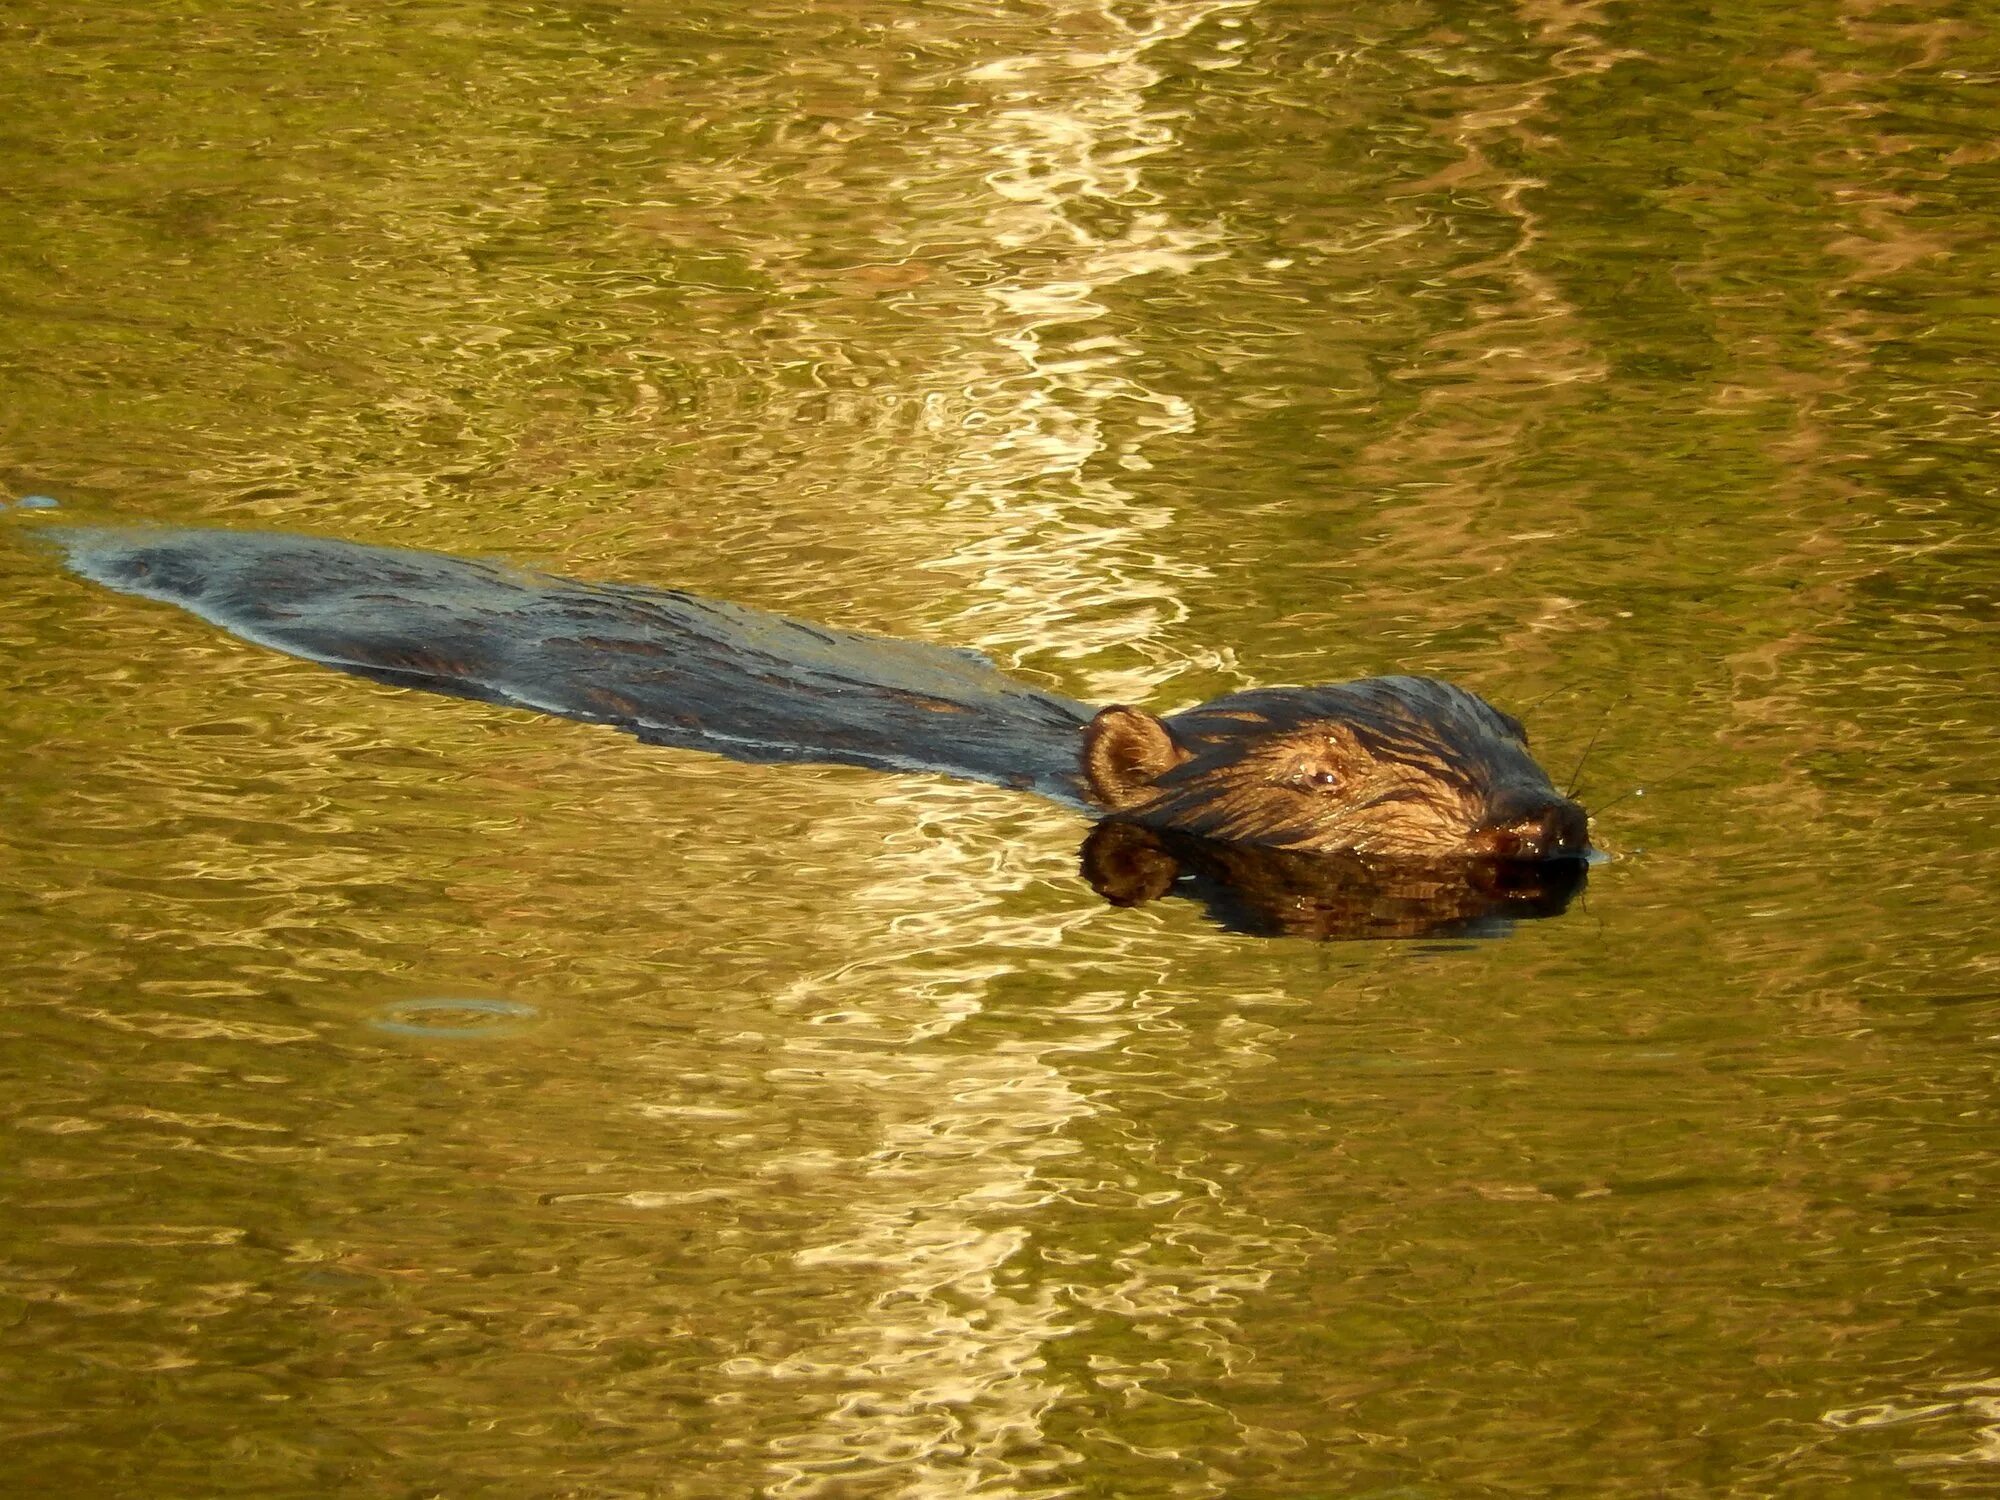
(945, 1361)
(1486, 380)
(1065, 144)
(1629, 359)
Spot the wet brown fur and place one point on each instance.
(1395, 766)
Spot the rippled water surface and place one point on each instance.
(408, 1097)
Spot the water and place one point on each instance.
(411, 1097)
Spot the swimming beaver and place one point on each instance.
(1405, 767)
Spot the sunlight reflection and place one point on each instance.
(1053, 547)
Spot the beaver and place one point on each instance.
(1388, 767)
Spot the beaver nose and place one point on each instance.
(1554, 830)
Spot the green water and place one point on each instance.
(819, 1134)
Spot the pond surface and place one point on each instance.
(408, 1097)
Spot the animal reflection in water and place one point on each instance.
(1286, 893)
(1392, 806)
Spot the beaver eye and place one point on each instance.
(1313, 778)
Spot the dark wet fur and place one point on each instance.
(1413, 766)
(667, 666)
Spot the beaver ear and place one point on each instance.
(1124, 751)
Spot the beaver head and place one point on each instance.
(1399, 766)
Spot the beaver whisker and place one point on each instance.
(1553, 692)
(1637, 791)
(1603, 719)
(1667, 780)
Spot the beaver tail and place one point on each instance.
(667, 666)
